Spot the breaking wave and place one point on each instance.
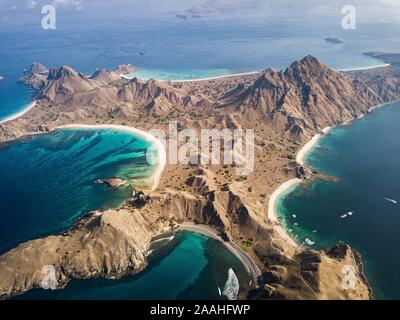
(164, 239)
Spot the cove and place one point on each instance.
(47, 181)
(191, 266)
(365, 157)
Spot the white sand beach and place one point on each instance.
(246, 260)
(19, 114)
(161, 152)
(366, 68)
(272, 204)
(301, 155)
(124, 76)
(272, 210)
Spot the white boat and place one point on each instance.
(294, 216)
(314, 231)
(343, 216)
(391, 200)
(350, 213)
(296, 224)
(219, 291)
(231, 289)
(309, 242)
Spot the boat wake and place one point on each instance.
(346, 215)
(231, 288)
(391, 200)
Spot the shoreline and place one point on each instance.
(253, 270)
(302, 153)
(124, 76)
(161, 152)
(200, 79)
(20, 113)
(383, 65)
(273, 214)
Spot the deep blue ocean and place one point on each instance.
(364, 157)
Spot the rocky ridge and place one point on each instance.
(285, 108)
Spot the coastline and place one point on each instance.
(273, 215)
(253, 270)
(124, 76)
(301, 155)
(161, 152)
(20, 113)
(365, 68)
(203, 79)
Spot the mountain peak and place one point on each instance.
(63, 72)
(37, 67)
(309, 65)
(309, 59)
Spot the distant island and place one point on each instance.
(333, 40)
(188, 16)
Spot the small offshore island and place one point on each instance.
(333, 40)
(285, 108)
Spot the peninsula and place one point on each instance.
(285, 108)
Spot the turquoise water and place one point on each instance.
(365, 157)
(47, 181)
(192, 266)
(179, 74)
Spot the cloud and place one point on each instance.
(223, 6)
(31, 4)
(74, 4)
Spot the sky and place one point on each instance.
(379, 10)
(195, 6)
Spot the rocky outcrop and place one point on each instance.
(302, 173)
(311, 274)
(108, 244)
(64, 83)
(108, 77)
(124, 69)
(112, 183)
(35, 77)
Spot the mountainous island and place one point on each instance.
(285, 108)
